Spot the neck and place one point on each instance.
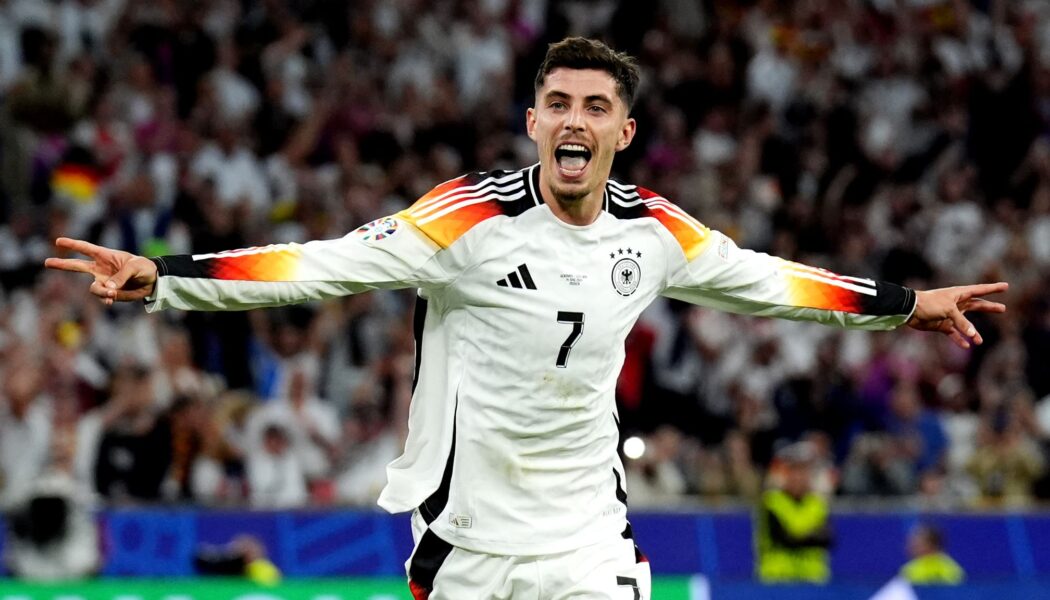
(582, 211)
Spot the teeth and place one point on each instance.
(572, 147)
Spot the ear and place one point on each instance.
(630, 126)
(530, 123)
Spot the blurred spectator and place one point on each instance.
(793, 531)
(188, 419)
(276, 479)
(135, 443)
(375, 428)
(240, 183)
(312, 425)
(51, 535)
(654, 478)
(25, 426)
(219, 473)
(914, 433)
(1007, 461)
(176, 373)
(48, 97)
(879, 466)
(930, 564)
(370, 443)
(727, 472)
(243, 556)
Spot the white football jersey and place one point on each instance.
(521, 321)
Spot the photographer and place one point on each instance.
(51, 535)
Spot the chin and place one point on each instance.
(570, 193)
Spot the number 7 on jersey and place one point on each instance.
(576, 318)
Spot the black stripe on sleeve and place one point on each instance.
(162, 267)
(181, 265)
(889, 299)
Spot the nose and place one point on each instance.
(574, 120)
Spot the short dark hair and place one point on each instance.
(582, 53)
(934, 536)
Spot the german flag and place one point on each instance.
(76, 181)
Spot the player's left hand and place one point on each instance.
(943, 309)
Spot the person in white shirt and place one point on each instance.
(529, 282)
(275, 475)
(313, 426)
(25, 429)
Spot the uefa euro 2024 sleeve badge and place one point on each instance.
(377, 230)
(626, 272)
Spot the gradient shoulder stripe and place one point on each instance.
(692, 235)
(451, 209)
(278, 262)
(447, 191)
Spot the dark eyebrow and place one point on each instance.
(555, 94)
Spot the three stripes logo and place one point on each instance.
(520, 279)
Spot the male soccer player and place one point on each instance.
(528, 281)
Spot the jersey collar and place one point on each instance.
(532, 177)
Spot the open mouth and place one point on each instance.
(572, 159)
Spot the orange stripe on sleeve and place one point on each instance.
(448, 228)
(825, 296)
(448, 211)
(278, 265)
(692, 235)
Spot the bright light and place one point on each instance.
(633, 448)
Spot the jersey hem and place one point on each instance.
(504, 548)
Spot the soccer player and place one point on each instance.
(528, 282)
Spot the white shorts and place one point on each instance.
(614, 570)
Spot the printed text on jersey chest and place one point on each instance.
(572, 278)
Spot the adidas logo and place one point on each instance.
(513, 280)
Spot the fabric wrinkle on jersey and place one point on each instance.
(522, 374)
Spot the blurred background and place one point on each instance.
(902, 140)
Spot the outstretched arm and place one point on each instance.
(943, 310)
(119, 276)
(725, 277)
(387, 253)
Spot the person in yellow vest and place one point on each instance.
(792, 531)
(244, 556)
(930, 564)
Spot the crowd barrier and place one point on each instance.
(869, 547)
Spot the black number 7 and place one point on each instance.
(631, 581)
(576, 318)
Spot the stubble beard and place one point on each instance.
(570, 196)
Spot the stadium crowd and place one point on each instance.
(904, 140)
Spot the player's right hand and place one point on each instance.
(119, 276)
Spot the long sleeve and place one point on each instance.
(387, 253)
(708, 269)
